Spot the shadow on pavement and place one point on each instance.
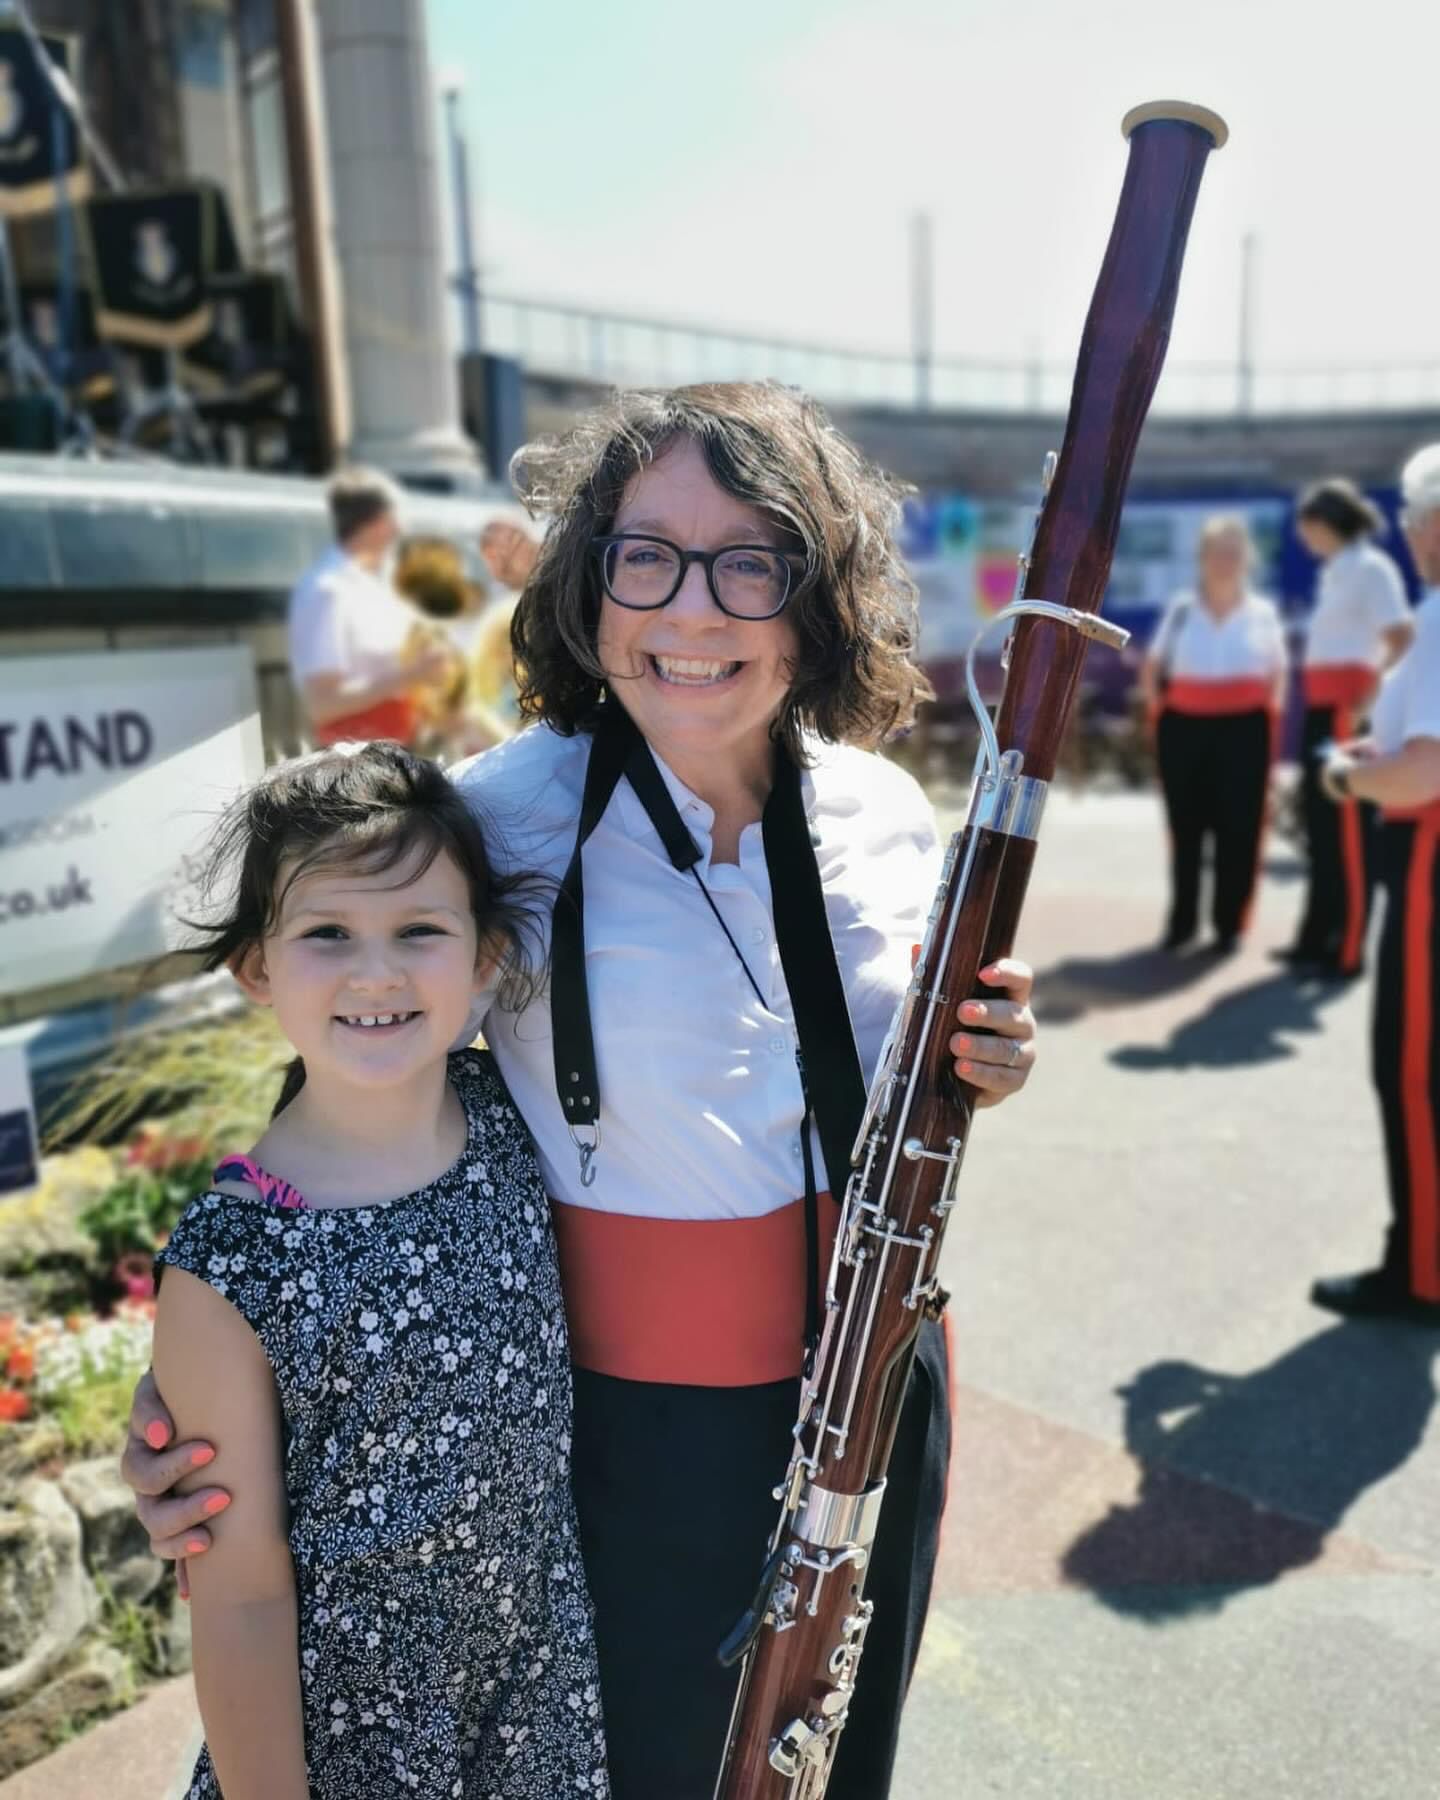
(1081, 984)
(1245, 1476)
(1246, 1026)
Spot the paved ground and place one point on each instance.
(1194, 1524)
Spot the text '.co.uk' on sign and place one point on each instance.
(113, 769)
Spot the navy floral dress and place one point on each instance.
(420, 1354)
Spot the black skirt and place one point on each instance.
(673, 1488)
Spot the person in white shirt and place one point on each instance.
(716, 638)
(358, 654)
(1397, 768)
(1360, 627)
(1215, 674)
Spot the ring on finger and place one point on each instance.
(1014, 1054)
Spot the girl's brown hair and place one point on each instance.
(375, 808)
(855, 679)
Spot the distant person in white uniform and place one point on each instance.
(358, 654)
(1360, 627)
(1215, 674)
(1398, 769)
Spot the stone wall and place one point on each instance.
(86, 1612)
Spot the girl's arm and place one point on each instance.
(210, 1366)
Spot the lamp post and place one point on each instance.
(466, 280)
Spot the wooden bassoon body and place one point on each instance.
(804, 1639)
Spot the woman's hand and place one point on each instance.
(151, 1466)
(994, 1050)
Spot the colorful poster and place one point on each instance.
(963, 554)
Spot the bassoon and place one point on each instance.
(803, 1638)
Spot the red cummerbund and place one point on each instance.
(1211, 699)
(1339, 684)
(398, 718)
(691, 1302)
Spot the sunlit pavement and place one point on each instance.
(1218, 1583)
(1194, 1523)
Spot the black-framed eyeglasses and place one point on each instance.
(747, 581)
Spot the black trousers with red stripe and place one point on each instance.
(1214, 772)
(1405, 1047)
(1341, 846)
(673, 1489)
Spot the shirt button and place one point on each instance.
(759, 935)
(778, 1045)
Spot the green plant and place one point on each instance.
(133, 1630)
(92, 1416)
(213, 1082)
(140, 1210)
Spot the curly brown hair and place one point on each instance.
(855, 679)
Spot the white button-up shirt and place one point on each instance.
(1248, 644)
(346, 621)
(1360, 593)
(1408, 705)
(700, 1093)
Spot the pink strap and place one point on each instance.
(272, 1188)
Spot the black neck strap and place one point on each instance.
(834, 1087)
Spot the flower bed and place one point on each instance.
(87, 1614)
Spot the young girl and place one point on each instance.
(365, 1313)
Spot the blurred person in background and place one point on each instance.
(1360, 627)
(1214, 678)
(510, 552)
(1398, 769)
(355, 654)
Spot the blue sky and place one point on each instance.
(756, 163)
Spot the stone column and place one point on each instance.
(386, 187)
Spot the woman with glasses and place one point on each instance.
(1397, 768)
(1360, 627)
(717, 636)
(1215, 674)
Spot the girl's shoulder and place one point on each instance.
(227, 1241)
(482, 1090)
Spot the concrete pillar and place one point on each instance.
(385, 179)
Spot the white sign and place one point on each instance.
(113, 768)
(19, 1159)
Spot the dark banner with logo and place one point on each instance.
(39, 146)
(154, 255)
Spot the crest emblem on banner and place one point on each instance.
(154, 253)
(12, 109)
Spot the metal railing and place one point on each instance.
(618, 349)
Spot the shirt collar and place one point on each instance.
(699, 815)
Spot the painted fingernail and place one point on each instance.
(156, 1435)
(967, 1068)
(216, 1503)
(201, 1455)
(962, 1042)
(194, 1546)
(975, 1008)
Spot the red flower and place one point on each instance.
(13, 1405)
(21, 1364)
